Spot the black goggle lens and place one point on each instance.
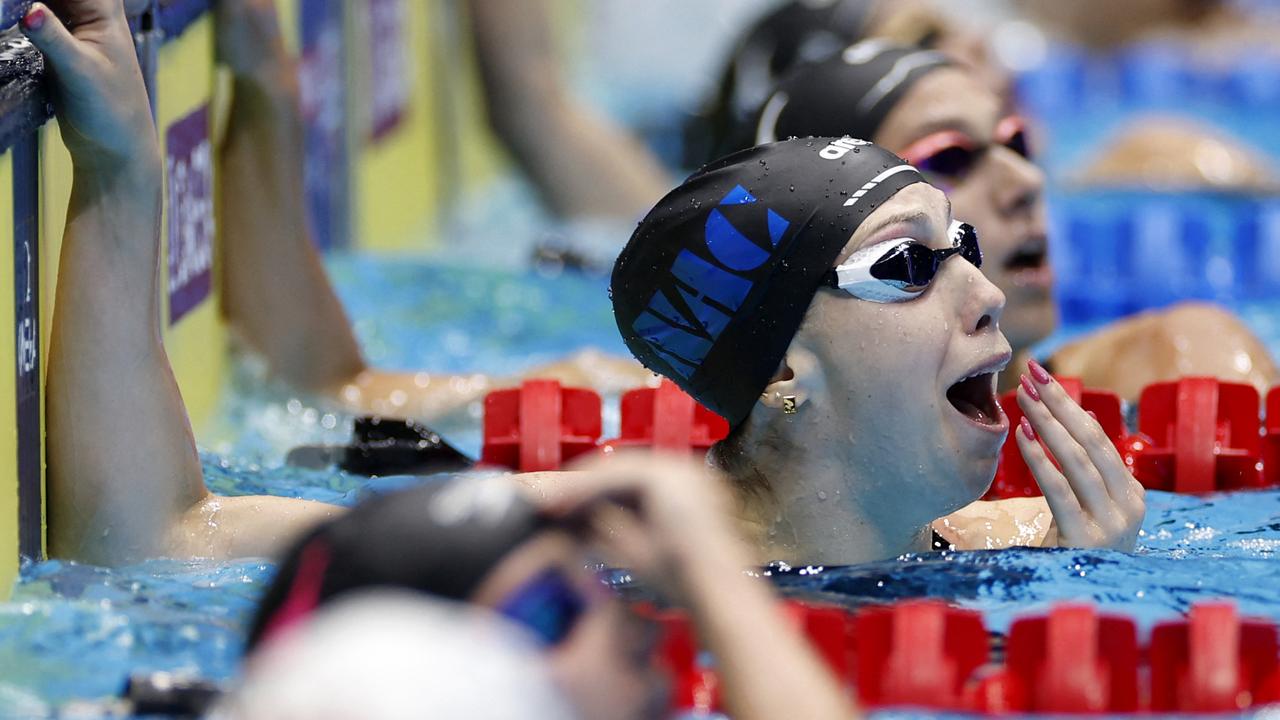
(1018, 143)
(914, 265)
(951, 162)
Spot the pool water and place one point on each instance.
(74, 631)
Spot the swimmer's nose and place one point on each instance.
(983, 302)
(1019, 182)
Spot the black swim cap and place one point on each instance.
(797, 31)
(848, 94)
(442, 539)
(716, 280)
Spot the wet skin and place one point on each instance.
(1002, 195)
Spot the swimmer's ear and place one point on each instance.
(798, 378)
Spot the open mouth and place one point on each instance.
(1031, 256)
(975, 398)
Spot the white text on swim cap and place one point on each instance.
(839, 148)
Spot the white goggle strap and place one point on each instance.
(854, 275)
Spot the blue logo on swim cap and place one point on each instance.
(688, 313)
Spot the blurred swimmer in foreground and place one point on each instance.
(125, 480)
(384, 654)
(481, 541)
(943, 119)
(277, 295)
(819, 295)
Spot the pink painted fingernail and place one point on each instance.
(1092, 414)
(1031, 389)
(1027, 430)
(33, 20)
(1038, 372)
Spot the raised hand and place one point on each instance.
(655, 514)
(1095, 501)
(97, 86)
(249, 39)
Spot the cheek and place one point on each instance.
(884, 363)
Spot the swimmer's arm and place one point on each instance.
(768, 671)
(670, 525)
(423, 396)
(276, 293)
(122, 462)
(998, 524)
(1187, 339)
(582, 164)
(246, 526)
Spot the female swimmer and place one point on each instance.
(125, 479)
(818, 294)
(944, 119)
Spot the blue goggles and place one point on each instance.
(548, 605)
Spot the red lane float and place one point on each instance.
(539, 426)
(1074, 661)
(1204, 436)
(1195, 435)
(666, 418)
(926, 654)
(918, 653)
(542, 425)
(1213, 662)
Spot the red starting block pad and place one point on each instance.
(539, 426)
(665, 418)
(1204, 436)
(1213, 662)
(1013, 477)
(918, 653)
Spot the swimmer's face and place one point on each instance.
(893, 401)
(1001, 193)
(606, 664)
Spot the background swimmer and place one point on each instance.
(796, 32)
(856, 423)
(277, 295)
(942, 118)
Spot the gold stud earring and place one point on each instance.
(789, 404)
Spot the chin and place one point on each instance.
(977, 479)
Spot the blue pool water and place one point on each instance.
(74, 631)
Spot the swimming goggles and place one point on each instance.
(548, 605)
(901, 269)
(951, 154)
